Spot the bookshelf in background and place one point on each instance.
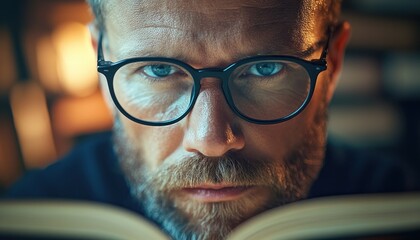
(377, 103)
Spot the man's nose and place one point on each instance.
(211, 128)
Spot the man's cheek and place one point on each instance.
(160, 142)
(276, 140)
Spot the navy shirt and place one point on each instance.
(91, 172)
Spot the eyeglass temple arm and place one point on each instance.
(324, 53)
(101, 59)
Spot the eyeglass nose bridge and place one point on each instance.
(219, 73)
(212, 73)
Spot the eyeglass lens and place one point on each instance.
(161, 91)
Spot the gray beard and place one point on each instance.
(288, 178)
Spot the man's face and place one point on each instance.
(212, 170)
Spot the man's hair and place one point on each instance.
(98, 10)
(330, 8)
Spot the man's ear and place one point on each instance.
(94, 36)
(336, 51)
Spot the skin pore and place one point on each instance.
(201, 177)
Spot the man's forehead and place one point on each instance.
(244, 26)
(286, 11)
(209, 5)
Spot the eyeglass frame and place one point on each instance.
(313, 68)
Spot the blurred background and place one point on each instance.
(50, 98)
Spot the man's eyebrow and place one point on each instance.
(312, 49)
(304, 54)
(140, 53)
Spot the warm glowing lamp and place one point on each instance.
(76, 67)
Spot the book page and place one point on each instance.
(77, 220)
(336, 217)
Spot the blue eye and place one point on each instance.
(159, 70)
(265, 69)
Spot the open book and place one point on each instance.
(342, 217)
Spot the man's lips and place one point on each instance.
(216, 193)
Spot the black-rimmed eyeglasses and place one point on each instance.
(160, 91)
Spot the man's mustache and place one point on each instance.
(198, 170)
